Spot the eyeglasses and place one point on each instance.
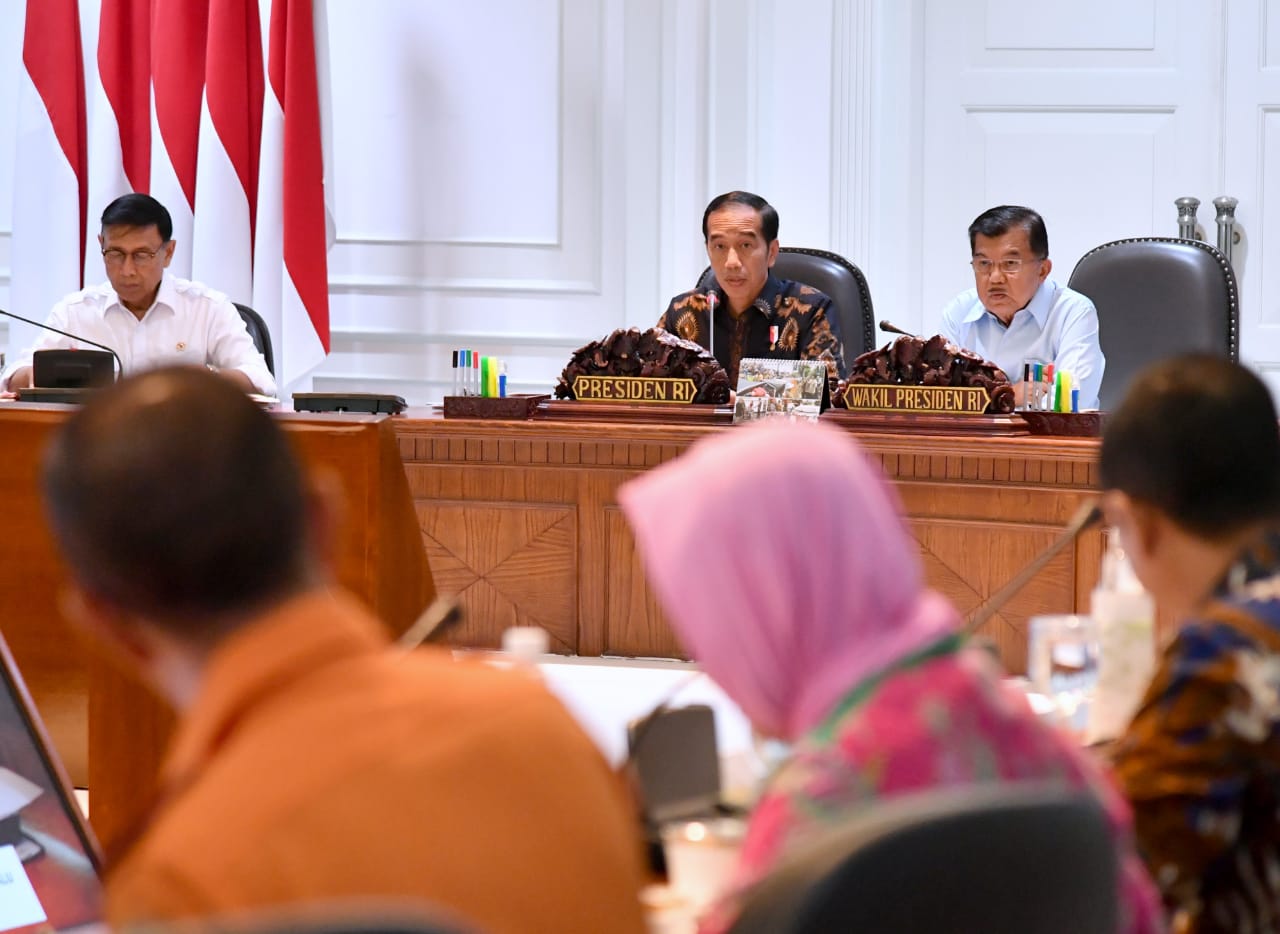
(139, 257)
(1010, 267)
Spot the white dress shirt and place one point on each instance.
(188, 324)
(1058, 326)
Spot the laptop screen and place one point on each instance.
(49, 863)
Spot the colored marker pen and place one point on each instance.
(502, 380)
(454, 384)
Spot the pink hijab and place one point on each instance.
(777, 553)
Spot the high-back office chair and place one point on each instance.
(258, 331)
(1158, 297)
(976, 861)
(839, 279)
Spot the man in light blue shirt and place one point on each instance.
(1017, 313)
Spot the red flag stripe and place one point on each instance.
(124, 69)
(292, 72)
(234, 88)
(179, 29)
(53, 58)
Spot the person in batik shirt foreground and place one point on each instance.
(1191, 465)
(812, 614)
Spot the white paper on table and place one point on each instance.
(19, 905)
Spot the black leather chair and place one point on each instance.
(836, 277)
(1158, 297)
(993, 860)
(258, 331)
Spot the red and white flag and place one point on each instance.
(226, 183)
(179, 29)
(48, 199)
(119, 115)
(290, 272)
(179, 105)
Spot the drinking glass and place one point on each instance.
(1062, 660)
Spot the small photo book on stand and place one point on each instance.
(794, 389)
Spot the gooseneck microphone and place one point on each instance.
(436, 621)
(1089, 514)
(894, 329)
(74, 337)
(712, 298)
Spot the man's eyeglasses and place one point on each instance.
(139, 257)
(1010, 267)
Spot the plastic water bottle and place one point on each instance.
(1124, 616)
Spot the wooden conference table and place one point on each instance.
(108, 729)
(520, 519)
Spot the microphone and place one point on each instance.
(711, 321)
(435, 622)
(74, 337)
(1089, 514)
(892, 328)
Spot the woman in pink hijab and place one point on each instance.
(780, 559)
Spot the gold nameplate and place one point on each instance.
(933, 400)
(634, 389)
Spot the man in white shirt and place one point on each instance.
(1017, 313)
(148, 318)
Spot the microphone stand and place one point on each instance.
(74, 337)
(1089, 513)
(711, 322)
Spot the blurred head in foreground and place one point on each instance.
(200, 550)
(779, 557)
(181, 511)
(1190, 467)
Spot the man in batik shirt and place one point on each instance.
(1191, 468)
(756, 314)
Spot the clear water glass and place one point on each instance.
(1062, 660)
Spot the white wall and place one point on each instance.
(521, 176)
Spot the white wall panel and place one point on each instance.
(1268, 27)
(1099, 122)
(1251, 149)
(1117, 163)
(1079, 25)
(797, 116)
(449, 118)
(478, 218)
(1263, 320)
